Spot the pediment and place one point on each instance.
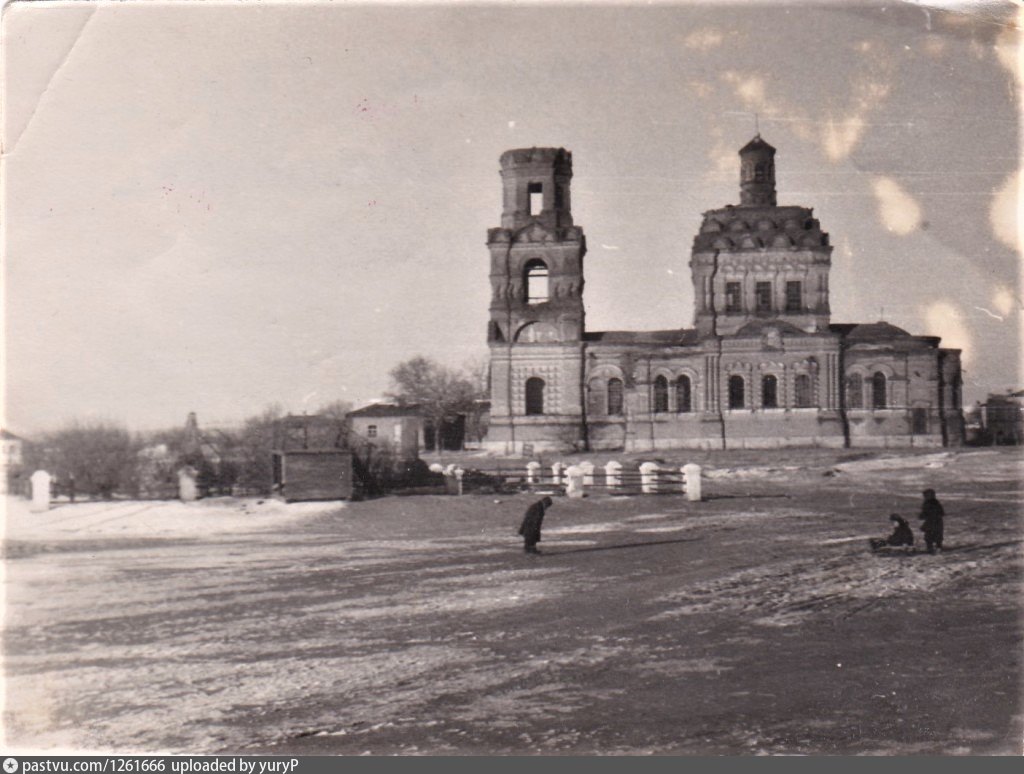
(535, 232)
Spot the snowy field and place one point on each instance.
(754, 622)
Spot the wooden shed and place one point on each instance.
(313, 474)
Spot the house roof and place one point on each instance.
(386, 410)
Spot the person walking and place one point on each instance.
(931, 517)
(530, 528)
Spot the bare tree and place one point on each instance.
(336, 409)
(101, 457)
(442, 394)
(256, 442)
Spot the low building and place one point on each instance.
(11, 458)
(1002, 418)
(405, 427)
(388, 424)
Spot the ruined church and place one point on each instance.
(763, 365)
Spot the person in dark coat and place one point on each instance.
(931, 521)
(530, 528)
(901, 535)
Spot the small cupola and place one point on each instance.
(757, 174)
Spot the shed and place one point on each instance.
(313, 474)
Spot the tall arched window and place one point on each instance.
(802, 397)
(537, 290)
(769, 392)
(614, 397)
(736, 390)
(684, 399)
(854, 391)
(660, 394)
(878, 400)
(534, 396)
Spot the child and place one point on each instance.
(901, 535)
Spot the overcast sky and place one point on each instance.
(213, 208)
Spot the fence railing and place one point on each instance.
(577, 480)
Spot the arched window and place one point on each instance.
(769, 392)
(802, 397)
(534, 396)
(878, 390)
(736, 389)
(684, 400)
(597, 398)
(615, 397)
(660, 394)
(854, 391)
(537, 291)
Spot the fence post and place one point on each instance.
(693, 482)
(532, 472)
(588, 473)
(611, 473)
(187, 491)
(574, 481)
(40, 491)
(649, 477)
(459, 472)
(556, 473)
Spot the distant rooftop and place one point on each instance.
(385, 410)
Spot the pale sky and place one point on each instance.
(212, 208)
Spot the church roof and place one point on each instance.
(673, 336)
(756, 144)
(759, 227)
(869, 331)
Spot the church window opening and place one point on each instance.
(615, 397)
(536, 192)
(683, 395)
(919, 421)
(537, 288)
(802, 397)
(763, 296)
(660, 394)
(534, 396)
(732, 297)
(769, 392)
(736, 390)
(878, 399)
(854, 391)
(793, 296)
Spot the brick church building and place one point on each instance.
(763, 365)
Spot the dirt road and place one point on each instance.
(754, 622)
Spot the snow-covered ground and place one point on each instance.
(416, 624)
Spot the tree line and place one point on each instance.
(103, 458)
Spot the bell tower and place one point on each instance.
(537, 253)
(535, 332)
